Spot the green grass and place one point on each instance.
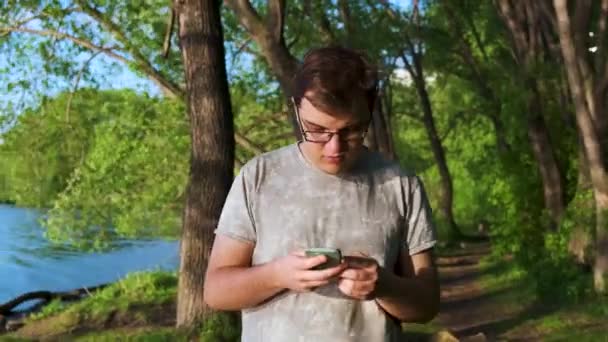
(424, 329)
(8, 338)
(585, 320)
(135, 335)
(131, 304)
(140, 288)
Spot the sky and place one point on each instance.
(119, 77)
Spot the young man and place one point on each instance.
(326, 191)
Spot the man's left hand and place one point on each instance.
(360, 279)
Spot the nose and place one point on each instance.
(334, 145)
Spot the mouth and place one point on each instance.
(334, 159)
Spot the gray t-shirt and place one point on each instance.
(282, 203)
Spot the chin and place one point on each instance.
(332, 170)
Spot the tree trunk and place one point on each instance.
(580, 240)
(382, 133)
(477, 77)
(268, 35)
(416, 71)
(545, 158)
(212, 149)
(447, 192)
(522, 20)
(591, 140)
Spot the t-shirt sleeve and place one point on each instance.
(236, 220)
(420, 231)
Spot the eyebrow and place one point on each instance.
(325, 128)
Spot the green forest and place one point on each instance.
(499, 106)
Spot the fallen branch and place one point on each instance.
(8, 308)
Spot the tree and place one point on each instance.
(268, 33)
(411, 54)
(588, 81)
(528, 33)
(212, 154)
(139, 37)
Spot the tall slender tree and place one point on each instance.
(527, 34)
(588, 81)
(212, 152)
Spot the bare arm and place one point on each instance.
(413, 294)
(231, 283)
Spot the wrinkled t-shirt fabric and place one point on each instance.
(282, 203)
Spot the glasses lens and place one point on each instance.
(354, 135)
(318, 136)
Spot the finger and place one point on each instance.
(355, 289)
(347, 287)
(357, 274)
(359, 261)
(314, 275)
(307, 263)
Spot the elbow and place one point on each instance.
(422, 314)
(420, 317)
(429, 312)
(427, 316)
(209, 301)
(210, 297)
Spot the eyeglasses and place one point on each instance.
(348, 134)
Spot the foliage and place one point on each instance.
(131, 182)
(116, 165)
(220, 327)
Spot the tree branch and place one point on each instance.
(476, 36)
(242, 47)
(452, 122)
(346, 18)
(412, 116)
(75, 87)
(247, 144)
(323, 25)
(169, 33)
(166, 85)
(408, 67)
(60, 35)
(600, 54)
(247, 15)
(275, 19)
(520, 42)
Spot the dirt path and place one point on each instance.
(466, 309)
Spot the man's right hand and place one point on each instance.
(294, 272)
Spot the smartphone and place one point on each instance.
(333, 255)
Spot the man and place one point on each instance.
(325, 191)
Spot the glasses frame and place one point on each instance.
(331, 134)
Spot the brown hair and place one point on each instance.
(333, 78)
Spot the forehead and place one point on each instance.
(334, 120)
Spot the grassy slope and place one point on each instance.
(141, 308)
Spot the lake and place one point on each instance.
(28, 262)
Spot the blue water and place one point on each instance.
(28, 262)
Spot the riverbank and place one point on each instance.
(482, 298)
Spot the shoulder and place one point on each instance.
(391, 174)
(386, 169)
(260, 167)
